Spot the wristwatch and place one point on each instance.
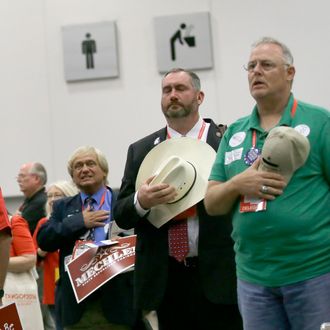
(2, 293)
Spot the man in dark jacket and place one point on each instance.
(32, 178)
(84, 217)
(198, 292)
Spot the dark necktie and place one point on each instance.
(97, 234)
(178, 239)
(89, 202)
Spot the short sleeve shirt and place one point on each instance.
(289, 241)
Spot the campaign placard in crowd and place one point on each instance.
(96, 265)
(9, 318)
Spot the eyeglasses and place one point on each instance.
(55, 196)
(79, 165)
(22, 176)
(265, 65)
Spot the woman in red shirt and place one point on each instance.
(21, 285)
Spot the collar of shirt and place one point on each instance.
(97, 196)
(286, 119)
(194, 132)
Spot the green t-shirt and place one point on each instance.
(289, 241)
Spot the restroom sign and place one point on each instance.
(90, 51)
(183, 41)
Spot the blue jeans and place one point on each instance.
(301, 306)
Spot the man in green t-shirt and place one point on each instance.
(281, 227)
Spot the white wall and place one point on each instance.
(44, 118)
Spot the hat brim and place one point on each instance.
(198, 153)
(267, 168)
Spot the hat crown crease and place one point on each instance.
(178, 173)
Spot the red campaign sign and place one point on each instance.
(9, 318)
(97, 265)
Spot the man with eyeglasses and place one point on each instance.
(32, 178)
(74, 220)
(281, 227)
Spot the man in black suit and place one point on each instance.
(199, 292)
(73, 219)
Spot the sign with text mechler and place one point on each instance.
(97, 265)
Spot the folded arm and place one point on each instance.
(22, 263)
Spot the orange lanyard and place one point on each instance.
(101, 201)
(293, 112)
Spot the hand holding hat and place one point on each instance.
(284, 151)
(183, 163)
(176, 172)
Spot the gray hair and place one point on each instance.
(195, 81)
(88, 150)
(68, 189)
(39, 170)
(287, 56)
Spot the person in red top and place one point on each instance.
(50, 260)
(22, 261)
(5, 238)
(22, 250)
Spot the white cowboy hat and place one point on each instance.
(184, 163)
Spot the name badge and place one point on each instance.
(249, 204)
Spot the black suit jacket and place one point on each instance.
(33, 208)
(215, 248)
(61, 231)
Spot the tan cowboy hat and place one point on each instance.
(184, 163)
